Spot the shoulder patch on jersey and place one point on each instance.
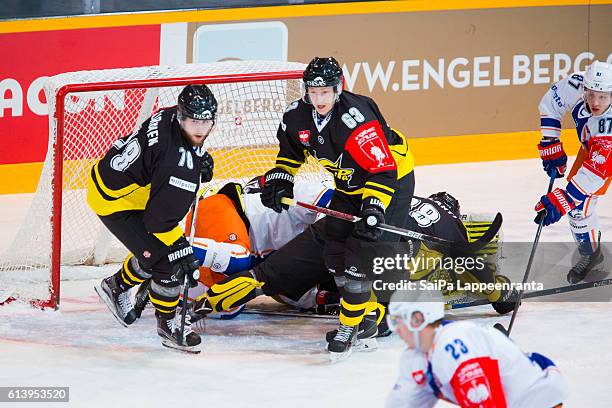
(293, 105)
(368, 146)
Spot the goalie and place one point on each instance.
(297, 267)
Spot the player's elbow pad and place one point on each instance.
(222, 256)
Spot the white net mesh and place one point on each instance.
(251, 98)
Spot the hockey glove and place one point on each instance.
(554, 159)
(553, 206)
(372, 215)
(208, 165)
(184, 262)
(277, 184)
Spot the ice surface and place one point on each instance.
(279, 361)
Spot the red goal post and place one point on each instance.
(89, 110)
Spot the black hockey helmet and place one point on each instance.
(197, 102)
(323, 71)
(447, 201)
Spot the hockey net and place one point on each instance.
(89, 110)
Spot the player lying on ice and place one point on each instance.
(463, 363)
(234, 231)
(294, 270)
(588, 96)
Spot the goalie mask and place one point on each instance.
(322, 72)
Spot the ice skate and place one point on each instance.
(169, 331)
(341, 346)
(141, 300)
(585, 264)
(117, 299)
(366, 334)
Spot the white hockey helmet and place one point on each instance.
(598, 77)
(430, 304)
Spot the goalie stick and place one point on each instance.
(452, 248)
(454, 304)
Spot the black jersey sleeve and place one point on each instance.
(290, 155)
(175, 171)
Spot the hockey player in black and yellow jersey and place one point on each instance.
(141, 189)
(372, 168)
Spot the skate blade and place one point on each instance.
(338, 357)
(6, 294)
(366, 345)
(109, 304)
(185, 349)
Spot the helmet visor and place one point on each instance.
(196, 126)
(323, 95)
(416, 324)
(597, 97)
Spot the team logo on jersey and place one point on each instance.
(304, 136)
(600, 160)
(369, 148)
(419, 377)
(232, 237)
(478, 393)
(320, 139)
(340, 173)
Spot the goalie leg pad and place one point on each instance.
(424, 262)
(233, 291)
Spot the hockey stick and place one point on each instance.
(288, 313)
(196, 273)
(455, 304)
(456, 248)
(459, 304)
(499, 326)
(142, 295)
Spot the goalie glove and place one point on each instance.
(554, 159)
(277, 184)
(184, 262)
(553, 206)
(372, 215)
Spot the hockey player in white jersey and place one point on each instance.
(588, 96)
(234, 232)
(238, 232)
(466, 364)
